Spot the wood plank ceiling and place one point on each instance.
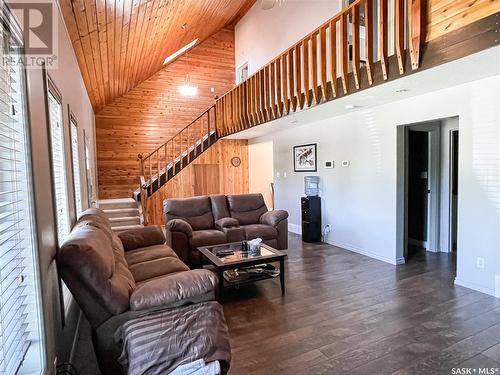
(120, 43)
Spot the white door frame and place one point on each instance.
(450, 190)
(433, 211)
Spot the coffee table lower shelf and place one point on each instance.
(223, 283)
(240, 259)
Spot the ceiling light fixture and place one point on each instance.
(188, 89)
(179, 52)
(350, 106)
(401, 90)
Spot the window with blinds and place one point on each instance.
(19, 309)
(76, 166)
(58, 166)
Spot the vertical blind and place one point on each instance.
(76, 167)
(58, 167)
(18, 297)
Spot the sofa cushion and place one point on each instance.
(219, 206)
(142, 237)
(173, 287)
(247, 208)
(196, 211)
(160, 262)
(146, 254)
(266, 232)
(207, 238)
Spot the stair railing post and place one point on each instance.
(143, 190)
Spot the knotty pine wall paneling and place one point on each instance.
(444, 16)
(232, 180)
(154, 112)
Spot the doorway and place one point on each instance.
(424, 185)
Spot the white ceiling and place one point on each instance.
(471, 68)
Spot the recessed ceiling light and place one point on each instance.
(350, 106)
(401, 90)
(179, 52)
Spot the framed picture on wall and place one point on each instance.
(304, 158)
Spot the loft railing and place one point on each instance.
(318, 68)
(171, 157)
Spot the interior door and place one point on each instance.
(418, 186)
(206, 179)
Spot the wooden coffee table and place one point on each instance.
(240, 259)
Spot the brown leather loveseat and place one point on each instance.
(115, 278)
(216, 219)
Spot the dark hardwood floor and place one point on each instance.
(344, 313)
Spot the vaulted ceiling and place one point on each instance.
(120, 43)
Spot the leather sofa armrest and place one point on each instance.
(226, 222)
(172, 288)
(142, 237)
(179, 225)
(273, 217)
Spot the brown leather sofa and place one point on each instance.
(115, 278)
(216, 219)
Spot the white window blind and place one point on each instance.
(76, 167)
(19, 310)
(58, 167)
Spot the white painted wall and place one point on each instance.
(447, 125)
(263, 34)
(360, 201)
(260, 169)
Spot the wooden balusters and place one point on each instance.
(333, 57)
(368, 8)
(279, 82)
(158, 165)
(267, 93)
(285, 75)
(150, 170)
(344, 55)
(382, 38)
(355, 43)
(314, 72)
(306, 74)
(399, 24)
(322, 62)
(414, 28)
(305, 67)
(292, 80)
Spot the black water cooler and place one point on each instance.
(311, 219)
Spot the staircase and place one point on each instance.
(123, 213)
(161, 165)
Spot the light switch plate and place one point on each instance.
(329, 164)
(346, 163)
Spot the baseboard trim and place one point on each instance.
(370, 254)
(474, 286)
(294, 228)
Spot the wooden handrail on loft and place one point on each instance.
(306, 73)
(172, 156)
